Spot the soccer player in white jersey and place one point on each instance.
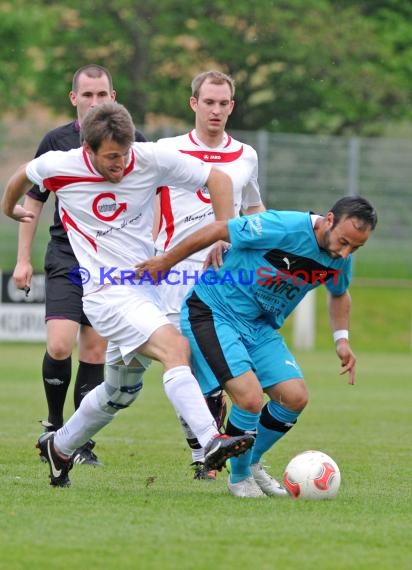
(179, 214)
(105, 190)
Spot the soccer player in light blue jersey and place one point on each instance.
(233, 315)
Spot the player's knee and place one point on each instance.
(298, 400)
(293, 394)
(92, 354)
(121, 387)
(250, 402)
(181, 346)
(176, 352)
(59, 348)
(302, 402)
(92, 347)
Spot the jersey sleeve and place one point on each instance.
(257, 231)
(340, 282)
(36, 171)
(177, 169)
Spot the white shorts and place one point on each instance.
(179, 282)
(126, 316)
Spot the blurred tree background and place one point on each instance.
(305, 66)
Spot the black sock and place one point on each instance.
(56, 380)
(218, 408)
(88, 377)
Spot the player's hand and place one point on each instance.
(155, 266)
(22, 275)
(215, 255)
(347, 359)
(20, 214)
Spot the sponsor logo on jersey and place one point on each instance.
(106, 208)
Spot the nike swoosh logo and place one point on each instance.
(56, 472)
(214, 449)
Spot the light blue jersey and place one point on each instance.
(273, 262)
(232, 315)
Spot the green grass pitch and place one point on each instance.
(143, 510)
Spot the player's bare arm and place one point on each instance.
(156, 216)
(221, 193)
(23, 270)
(16, 187)
(160, 264)
(339, 308)
(215, 255)
(339, 315)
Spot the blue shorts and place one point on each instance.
(224, 348)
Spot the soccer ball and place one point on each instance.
(312, 475)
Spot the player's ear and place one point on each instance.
(330, 218)
(193, 103)
(73, 98)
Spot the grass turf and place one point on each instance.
(144, 510)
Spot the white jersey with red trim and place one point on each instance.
(110, 225)
(180, 214)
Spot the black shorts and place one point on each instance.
(63, 298)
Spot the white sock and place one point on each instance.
(197, 454)
(87, 420)
(183, 391)
(187, 432)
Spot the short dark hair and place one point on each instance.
(108, 121)
(355, 207)
(91, 70)
(215, 77)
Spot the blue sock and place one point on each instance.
(240, 422)
(275, 421)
